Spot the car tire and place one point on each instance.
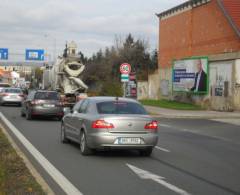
(84, 149)
(28, 115)
(146, 152)
(22, 114)
(59, 118)
(64, 139)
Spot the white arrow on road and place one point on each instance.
(148, 175)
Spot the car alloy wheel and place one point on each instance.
(85, 150)
(28, 115)
(63, 135)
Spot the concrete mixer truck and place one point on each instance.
(64, 76)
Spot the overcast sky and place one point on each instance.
(92, 24)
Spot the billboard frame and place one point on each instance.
(207, 72)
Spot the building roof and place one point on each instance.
(186, 5)
(231, 9)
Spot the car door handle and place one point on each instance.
(80, 119)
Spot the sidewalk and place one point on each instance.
(201, 114)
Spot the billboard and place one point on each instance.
(190, 75)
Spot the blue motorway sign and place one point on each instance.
(3, 53)
(35, 54)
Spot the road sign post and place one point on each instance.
(124, 77)
(125, 70)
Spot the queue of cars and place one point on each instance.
(96, 123)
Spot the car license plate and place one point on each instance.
(129, 140)
(49, 105)
(13, 96)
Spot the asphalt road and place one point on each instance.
(195, 156)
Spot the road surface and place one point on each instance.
(193, 156)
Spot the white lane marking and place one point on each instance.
(57, 176)
(162, 149)
(143, 174)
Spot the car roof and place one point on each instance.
(111, 98)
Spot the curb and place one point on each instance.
(28, 164)
(165, 113)
(192, 117)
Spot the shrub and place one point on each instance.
(111, 89)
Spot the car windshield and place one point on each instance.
(120, 107)
(47, 96)
(12, 90)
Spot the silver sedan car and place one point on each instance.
(110, 123)
(11, 96)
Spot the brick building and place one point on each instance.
(208, 28)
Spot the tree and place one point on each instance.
(154, 61)
(38, 76)
(111, 89)
(83, 59)
(102, 69)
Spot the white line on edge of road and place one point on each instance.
(57, 176)
(162, 149)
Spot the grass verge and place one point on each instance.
(170, 104)
(15, 178)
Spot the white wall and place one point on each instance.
(142, 90)
(237, 72)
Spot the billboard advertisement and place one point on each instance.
(190, 75)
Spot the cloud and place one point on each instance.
(92, 24)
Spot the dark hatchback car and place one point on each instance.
(42, 103)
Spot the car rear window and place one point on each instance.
(4, 85)
(46, 96)
(120, 107)
(11, 90)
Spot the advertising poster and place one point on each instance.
(190, 75)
